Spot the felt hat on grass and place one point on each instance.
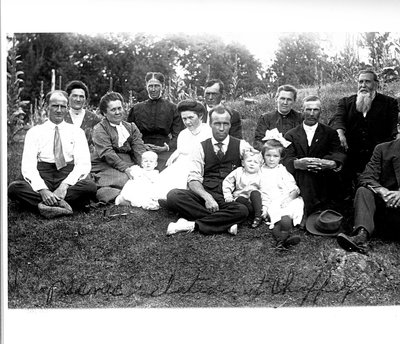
(325, 223)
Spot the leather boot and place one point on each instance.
(354, 243)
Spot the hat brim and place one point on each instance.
(310, 226)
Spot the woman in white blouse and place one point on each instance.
(176, 173)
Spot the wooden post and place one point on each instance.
(53, 80)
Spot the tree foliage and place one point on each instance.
(121, 61)
(126, 58)
(297, 58)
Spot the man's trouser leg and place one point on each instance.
(364, 209)
(192, 207)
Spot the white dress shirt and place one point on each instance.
(197, 166)
(310, 131)
(38, 147)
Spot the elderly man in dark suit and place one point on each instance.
(314, 157)
(377, 200)
(283, 118)
(362, 121)
(213, 93)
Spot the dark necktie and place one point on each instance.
(220, 153)
(58, 152)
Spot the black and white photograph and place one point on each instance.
(200, 171)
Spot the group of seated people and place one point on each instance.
(191, 159)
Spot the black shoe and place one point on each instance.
(256, 222)
(354, 243)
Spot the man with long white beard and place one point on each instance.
(362, 121)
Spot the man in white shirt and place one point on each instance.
(203, 206)
(55, 163)
(314, 157)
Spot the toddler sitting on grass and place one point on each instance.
(139, 191)
(243, 185)
(280, 195)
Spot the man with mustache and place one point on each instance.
(213, 94)
(362, 121)
(315, 158)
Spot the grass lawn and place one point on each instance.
(97, 260)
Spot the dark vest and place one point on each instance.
(216, 170)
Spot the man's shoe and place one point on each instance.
(257, 222)
(354, 243)
(182, 225)
(233, 229)
(62, 208)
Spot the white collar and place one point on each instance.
(310, 127)
(116, 125)
(225, 142)
(53, 125)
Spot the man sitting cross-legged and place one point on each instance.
(55, 162)
(203, 207)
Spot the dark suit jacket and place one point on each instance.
(384, 167)
(316, 188)
(273, 120)
(379, 125)
(236, 123)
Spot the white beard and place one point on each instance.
(363, 102)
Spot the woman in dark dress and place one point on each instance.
(157, 119)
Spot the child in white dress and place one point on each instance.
(280, 194)
(243, 185)
(140, 191)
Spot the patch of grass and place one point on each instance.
(94, 260)
(127, 261)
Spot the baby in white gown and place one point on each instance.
(140, 191)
